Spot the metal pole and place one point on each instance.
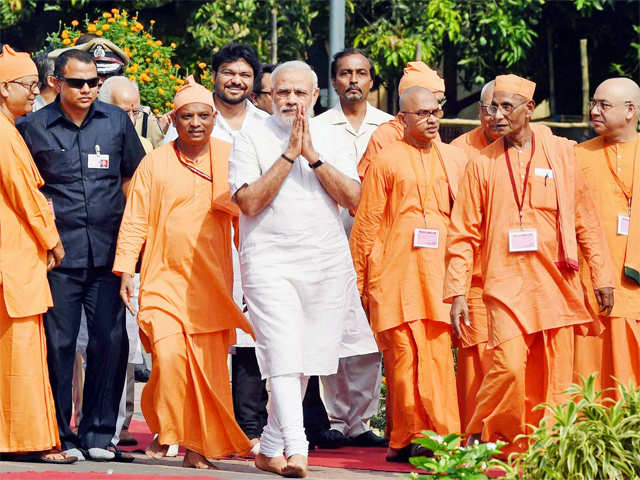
(336, 39)
(584, 63)
(274, 35)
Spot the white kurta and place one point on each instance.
(297, 273)
(358, 338)
(223, 131)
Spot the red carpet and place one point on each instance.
(91, 476)
(352, 458)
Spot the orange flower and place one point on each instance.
(64, 34)
(75, 23)
(159, 43)
(124, 23)
(156, 111)
(106, 27)
(91, 28)
(152, 22)
(160, 91)
(99, 33)
(106, 15)
(112, 20)
(132, 78)
(168, 104)
(202, 65)
(176, 88)
(172, 77)
(115, 11)
(176, 66)
(139, 26)
(145, 77)
(147, 59)
(173, 45)
(66, 41)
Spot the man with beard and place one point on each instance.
(290, 177)
(235, 68)
(351, 396)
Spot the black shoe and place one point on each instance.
(141, 373)
(328, 439)
(368, 439)
(412, 450)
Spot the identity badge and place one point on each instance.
(426, 238)
(623, 224)
(523, 240)
(98, 161)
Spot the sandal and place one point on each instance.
(120, 456)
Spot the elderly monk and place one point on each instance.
(29, 247)
(398, 244)
(524, 207)
(180, 210)
(416, 74)
(611, 166)
(474, 359)
(289, 176)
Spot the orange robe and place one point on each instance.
(386, 134)
(187, 314)
(532, 298)
(402, 285)
(27, 231)
(474, 359)
(615, 350)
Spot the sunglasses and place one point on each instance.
(79, 82)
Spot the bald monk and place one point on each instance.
(523, 206)
(416, 74)
(611, 167)
(398, 245)
(474, 359)
(180, 209)
(29, 247)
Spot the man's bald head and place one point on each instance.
(420, 112)
(414, 98)
(486, 94)
(487, 121)
(615, 106)
(123, 93)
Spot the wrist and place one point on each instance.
(288, 158)
(313, 157)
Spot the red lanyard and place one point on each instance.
(519, 201)
(200, 173)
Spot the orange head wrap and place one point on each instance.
(192, 92)
(418, 74)
(15, 65)
(515, 84)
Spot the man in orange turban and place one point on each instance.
(29, 247)
(611, 166)
(524, 208)
(416, 74)
(180, 209)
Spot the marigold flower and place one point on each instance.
(145, 77)
(176, 88)
(202, 65)
(99, 33)
(168, 104)
(140, 26)
(91, 28)
(156, 111)
(156, 54)
(173, 45)
(132, 78)
(160, 91)
(111, 20)
(124, 23)
(106, 15)
(147, 59)
(152, 22)
(150, 43)
(75, 23)
(172, 77)
(106, 27)
(66, 41)
(176, 66)
(159, 43)
(180, 81)
(64, 34)
(115, 11)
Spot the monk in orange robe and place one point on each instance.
(29, 247)
(524, 207)
(474, 359)
(406, 200)
(416, 74)
(611, 166)
(179, 208)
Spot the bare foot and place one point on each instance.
(270, 464)
(155, 450)
(296, 467)
(195, 460)
(473, 438)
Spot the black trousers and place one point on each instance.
(315, 415)
(249, 392)
(97, 289)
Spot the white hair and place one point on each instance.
(294, 65)
(106, 90)
(484, 89)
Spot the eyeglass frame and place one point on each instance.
(598, 103)
(426, 114)
(30, 87)
(500, 107)
(71, 81)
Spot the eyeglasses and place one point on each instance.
(79, 82)
(485, 109)
(32, 87)
(603, 105)
(425, 114)
(442, 102)
(505, 108)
